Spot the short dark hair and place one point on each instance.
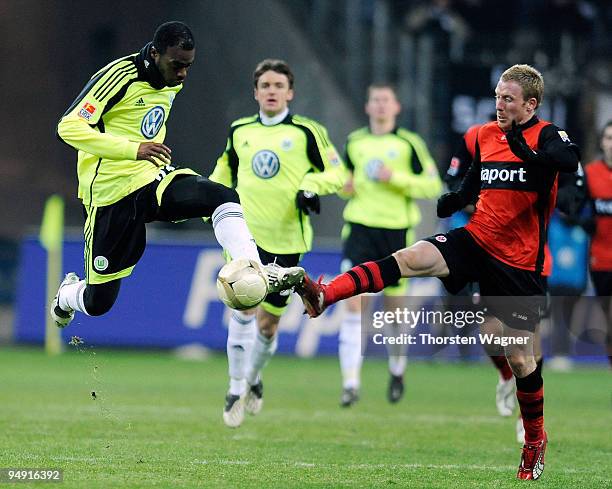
(277, 65)
(171, 34)
(381, 85)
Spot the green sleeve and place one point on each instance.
(81, 126)
(420, 180)
(81, 136)
(330, 173)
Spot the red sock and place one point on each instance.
(532, 411)
(502, 365)
(372, 276)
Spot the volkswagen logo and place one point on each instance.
(265, 164)
(152, 122)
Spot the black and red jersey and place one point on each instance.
(599, 181)
(516, 198)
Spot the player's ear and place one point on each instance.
(532, 103)
(290, 95)
(154, 53)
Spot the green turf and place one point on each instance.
(156, 422)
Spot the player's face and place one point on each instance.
(606, 144)
(382, 105)
(273, 93)
(173, 64)
(511, 106)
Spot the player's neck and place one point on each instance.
(608, 162)
(272, 120)
(381, 127)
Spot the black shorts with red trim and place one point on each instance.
(517, 296)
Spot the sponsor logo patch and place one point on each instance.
(441, 238)
(333, 158)
(453, 168)
(152, 122)
(87, 111)
(372, 168)
(265, 164)
(564, 137)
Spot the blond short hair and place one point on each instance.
(528, 78)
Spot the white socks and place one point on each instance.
(241, 332)
(263, 350)
(397, 353)
(397, 365)
(71, 297)
(349, 350)
(232, 232)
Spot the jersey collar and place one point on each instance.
(147, 69)
(530, 123)
(273, 121)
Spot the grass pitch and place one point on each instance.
(156, 421)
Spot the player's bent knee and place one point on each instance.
(99, 299)
(521, 365)
(218, 194)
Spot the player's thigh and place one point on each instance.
(517, 297)
(422, 259)
(190, 196)
(115, 238)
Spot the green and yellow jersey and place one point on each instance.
(124, 104)
(268, 165)
(389, 205)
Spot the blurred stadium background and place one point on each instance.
(444, 57)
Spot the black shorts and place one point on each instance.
(365, 243)
(275, 302)
(115, 235)
(517, 296)
(602, 281)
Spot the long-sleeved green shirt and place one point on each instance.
(390, 205)
(268, 165)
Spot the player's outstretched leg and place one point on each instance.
(422, 259)
(372, 276)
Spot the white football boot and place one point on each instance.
(63, 318)
(233, 411)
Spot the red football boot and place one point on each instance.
(313, 296)
(532, 460)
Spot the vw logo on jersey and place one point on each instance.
(372, 168)
(152, 122)
(265, 163)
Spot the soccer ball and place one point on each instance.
(242, 284)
